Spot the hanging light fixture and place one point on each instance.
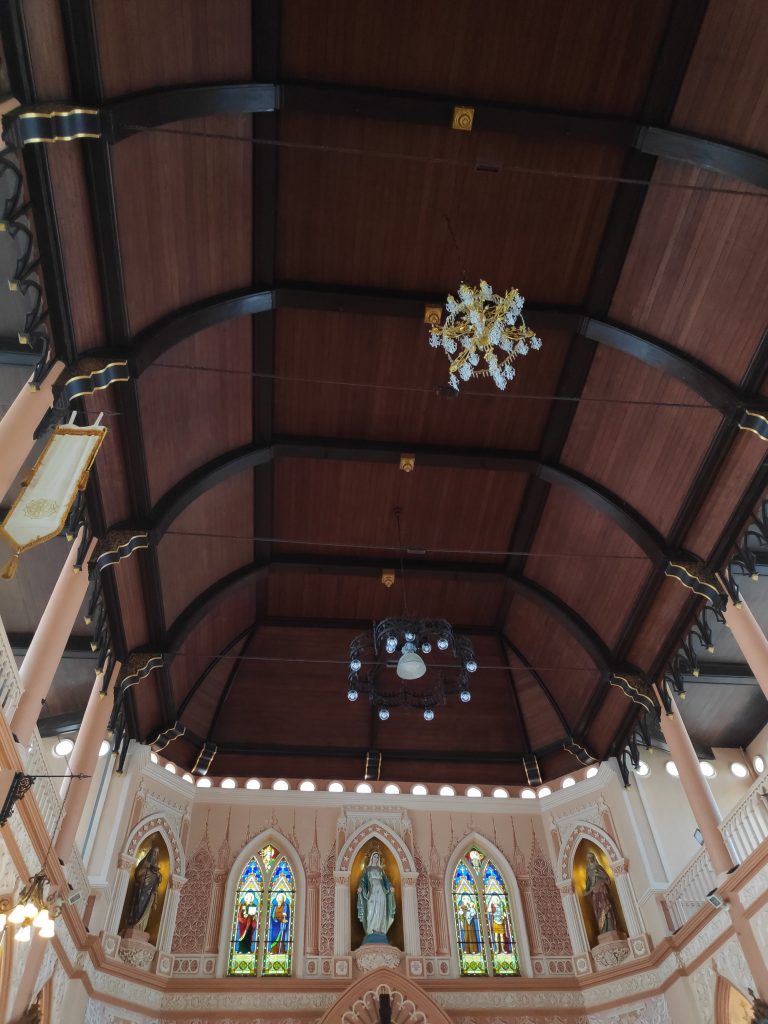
(33, 909)
(480, 324)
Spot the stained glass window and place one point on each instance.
(262, 926)
(484, 931)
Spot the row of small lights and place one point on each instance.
(391, 788)
(739, 769)
(63, 748)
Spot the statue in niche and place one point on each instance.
(375, 900)
(146, 880)
(598, 888)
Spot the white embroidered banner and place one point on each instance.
(42, 507)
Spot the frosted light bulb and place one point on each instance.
(47, 931)
(351, 694)
(465, 696)
(23, 934)
(30, 910)
(442, 644)
(429, 714)
(383, 714)
(42, 919)
(16, 916)
(355, 664)
(391, 645)
(471, 666)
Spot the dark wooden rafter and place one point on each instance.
(518, 654)
(82, 51)
(38, 181)
(124, 116)
(191, 487)
(151, 344)
(519, 714)
(205, 602)
(677, 46)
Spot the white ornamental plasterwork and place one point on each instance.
(361, 836)
(755, 887)
(705, 937)
(650, 1011)
(158, 823)
(508, 1000)
(610, 954)
(9, 876)
(327, 905)
(46, 968)
(631, 986)
(397, 821)
(589, 812)
(760, 924)
(247, 1001)
(375, 956)
(579, 831)
(365, 1010)
(525, 1020)
(59, 988)
(156, 801)
(729, 963)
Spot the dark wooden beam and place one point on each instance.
(124, 116)
(83, 55)
(152, 343)
(59, 725)
(77, 646)
(14, 354)
(187, 490)
(722, 673)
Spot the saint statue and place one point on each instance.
(598, 888)
(146, 880)
(375, 900)
(246, 930)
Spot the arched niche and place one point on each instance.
(494, 854)
(409, 1003)
(731, 1005)
(152, 847)
(584, 850)
(392, 845)
(392, 869)
(276, 839)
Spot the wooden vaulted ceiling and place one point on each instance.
(270, 295)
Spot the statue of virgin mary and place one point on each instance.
(375, 900)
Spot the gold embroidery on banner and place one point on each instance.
(40, 508)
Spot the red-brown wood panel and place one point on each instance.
(653, 636)
(574, 54)
(449, 513)
(725, 91)
(607, 721)
(172, 44)
(109, 469)
(73, 216)
(696, 270)
(209, 540)
(323, 594)
(184, 215)
(648, 453)
(389, 221)
(45, 39)
(588, 562)
(380, 381)
(130, 594)
(190, 415)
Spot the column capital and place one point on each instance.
(341, 877)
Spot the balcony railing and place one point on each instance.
(746, 828)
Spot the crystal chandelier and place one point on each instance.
(412, 639)
(33, 910)
(481, 323)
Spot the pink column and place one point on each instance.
(697, 790)
(84, 759)
(750, 638)
(750, 946)
(18, 425)
(48, 644)
(33, 953)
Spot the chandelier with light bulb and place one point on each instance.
(33, 909)
(412, 639)
(480, 324)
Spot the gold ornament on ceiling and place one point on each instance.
(482, 327)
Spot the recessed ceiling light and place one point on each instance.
(706, 769)
(500, 793)
(528, 794)
(188, 778)
(153, 757)
(544, 791)
(280, 784)
(642, 769)
(671, 768)
(170, 767)
(64, 747)
(592, 772)
(739, 770)
(419, 790)
(758, 764)
(567, 783)
(363, 787)
(474, 791)
(447, 791)
(307, 786)
(253, 784)
(391, 788)
(335, 787)
(105, 748)
(228, 784)
(203, 783)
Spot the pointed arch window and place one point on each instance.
(261, 939)
(484, 932)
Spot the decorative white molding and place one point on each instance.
(374, 956)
